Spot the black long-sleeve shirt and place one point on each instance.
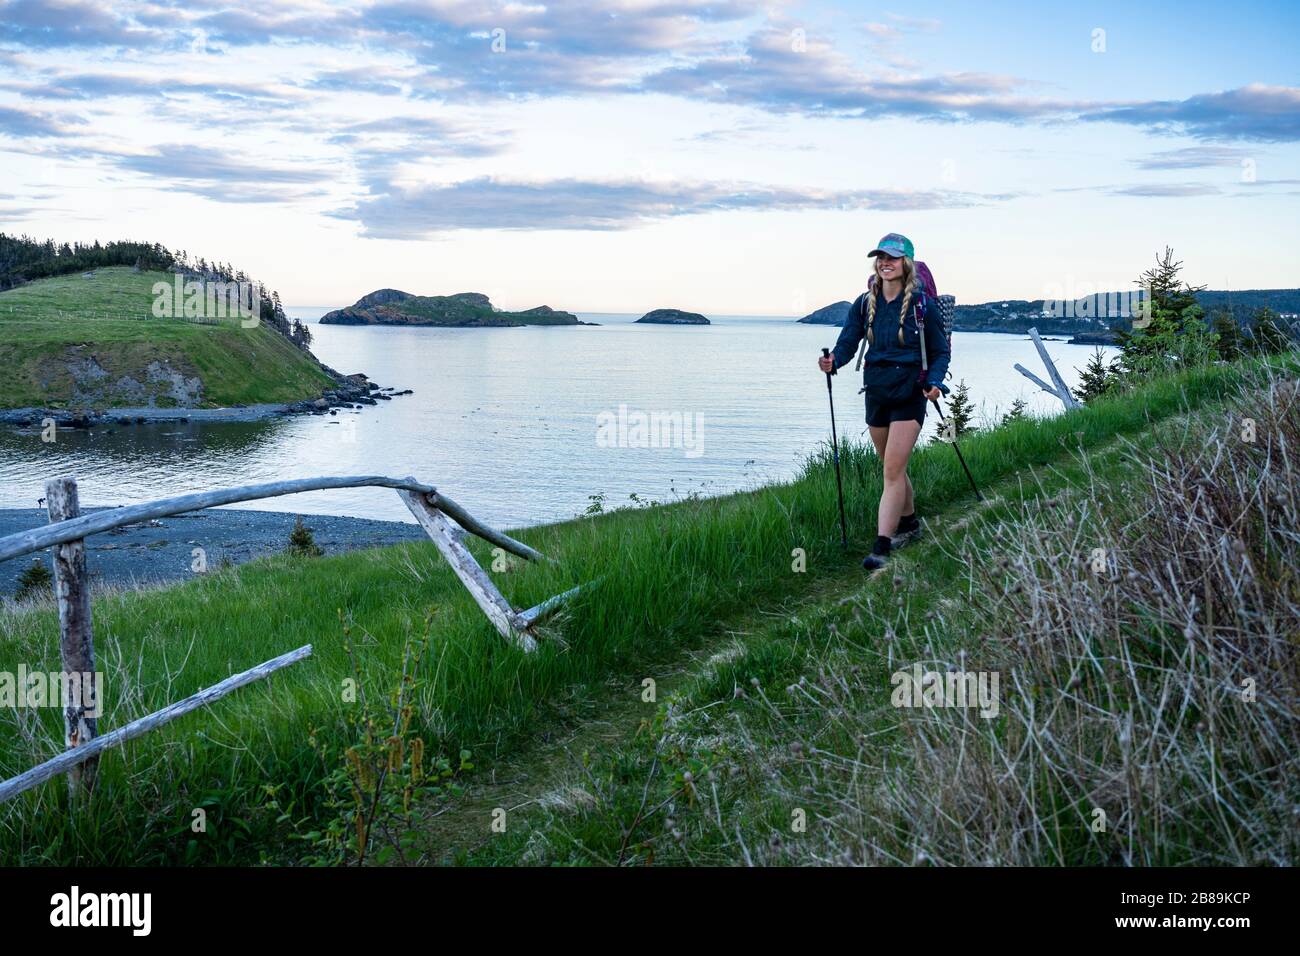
(884, 346)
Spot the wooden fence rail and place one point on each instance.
(70, 760)
(68, 529)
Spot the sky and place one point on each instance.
(725, 157)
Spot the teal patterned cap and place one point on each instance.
(894, 245)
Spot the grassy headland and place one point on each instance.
(1100, 687)
(75, 342)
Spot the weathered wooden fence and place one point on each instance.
(66, 534)
(1058, 387)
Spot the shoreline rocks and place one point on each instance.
(350, 391)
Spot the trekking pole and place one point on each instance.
(835, 445)
(958, 451)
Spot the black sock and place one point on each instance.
(882, 545)
(908, 522)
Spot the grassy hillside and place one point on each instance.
(70, 341)
(785, 703)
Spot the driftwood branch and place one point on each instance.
(475, 579)
(76, 635)
(1061, 391)
(37, 539)
(531, 616)
(1036, 380)
(66, 761)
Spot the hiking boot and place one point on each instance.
(879, 555)
(909, 529)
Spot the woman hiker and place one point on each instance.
(896, 388)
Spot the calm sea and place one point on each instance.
(522, 426)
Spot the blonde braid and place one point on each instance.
(871, 316)
(907, 300)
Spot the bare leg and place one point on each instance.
(898, 449)
(879, 438)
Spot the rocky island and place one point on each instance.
(673, 317)
(462, 310)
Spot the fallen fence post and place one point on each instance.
(1036, 380)
(76, 634)
(531, 616)
(36, 539)
(1061, 391)
(66, 761)
(475, 579)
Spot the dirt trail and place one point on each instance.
(549, 772)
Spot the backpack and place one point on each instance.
(947, 306)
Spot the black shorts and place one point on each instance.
(879, 416)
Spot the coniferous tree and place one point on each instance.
(1267, 335)
(1230, 342)
(1173, 334)
(302, 542)
(1017, 413)
(1097, 377)
(960, 415)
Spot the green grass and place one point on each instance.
(46, 323)
(1109, 702)
(671, 576)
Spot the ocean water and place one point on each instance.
(522, 426)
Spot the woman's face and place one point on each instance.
(889, 268)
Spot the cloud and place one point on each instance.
(1193, 157)
(46, 24)
(377, 147)
(415, 212)
(22, 123)
(885, 37)
(218, 176)
(779, 75)
(291, 23)
(90, 86)
(603, 28)
(1166, 190)
(473, 50)
(1255, 112)
(361, 79)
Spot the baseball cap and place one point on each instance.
(894, 245)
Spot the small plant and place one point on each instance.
(597, 505)
(377, 779)
(302, 542)
(35, 581)
(1017, 413)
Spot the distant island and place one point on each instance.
(462, 310)
(1018, 316)
(673, 317)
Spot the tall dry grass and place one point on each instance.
(1144, 629)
